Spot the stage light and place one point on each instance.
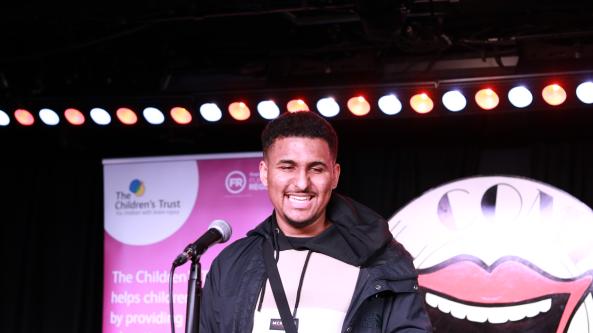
(181, 115)
(421, 103)
(328, 107)
(520, 97)
(585, 92)
(239, 111)
(74, 117)
(210, 112)
(487, 99)
(554, 94)
(24, 117)
(268, 110)
(4, 118)
(390, 104)
(153, 115)
(100, 116)
(454, 100)
(126, 116)
(49, 117)
(296, 105)
(358, 106)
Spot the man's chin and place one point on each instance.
(300, 224)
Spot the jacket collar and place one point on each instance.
(356, 234)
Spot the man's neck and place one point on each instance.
(311, 230)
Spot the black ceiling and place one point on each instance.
(177, 47)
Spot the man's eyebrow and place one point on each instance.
(317, 163)
(310, 165)
(286, 162)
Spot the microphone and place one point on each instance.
(219, 231)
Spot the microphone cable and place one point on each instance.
(171, 299)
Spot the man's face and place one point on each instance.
(300, 175)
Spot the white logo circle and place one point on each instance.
(158, 213)
(235, 182)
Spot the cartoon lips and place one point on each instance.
(511, 295)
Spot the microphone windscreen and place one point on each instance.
(223, 227)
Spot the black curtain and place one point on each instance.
(52, 200)
(52, 248)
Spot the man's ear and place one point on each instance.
(336, 175)
(263, 172)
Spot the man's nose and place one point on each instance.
(302, 180)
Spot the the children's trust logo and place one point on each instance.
(137, 187)
(147, 202)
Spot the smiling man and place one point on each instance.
(321, 262)
(300, 174)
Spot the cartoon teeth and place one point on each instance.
(494, 315)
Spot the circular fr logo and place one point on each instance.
(235, 182)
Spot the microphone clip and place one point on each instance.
(188, 253)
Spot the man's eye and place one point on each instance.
(317, 170)
(286, 167)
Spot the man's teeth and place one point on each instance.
(494, 315)
(299, 197)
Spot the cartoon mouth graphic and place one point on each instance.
(465, 295)
(534, 317)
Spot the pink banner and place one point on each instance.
(153, 209)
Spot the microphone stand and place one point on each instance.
(194, 297)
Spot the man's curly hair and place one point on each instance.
(304, 124)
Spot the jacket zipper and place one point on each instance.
(364, 295)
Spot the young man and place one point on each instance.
(339, 268)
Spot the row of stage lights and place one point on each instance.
(453, 101)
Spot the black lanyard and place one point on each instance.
(298, 296)
(288, 320)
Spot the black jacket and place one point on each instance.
(386, 297)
